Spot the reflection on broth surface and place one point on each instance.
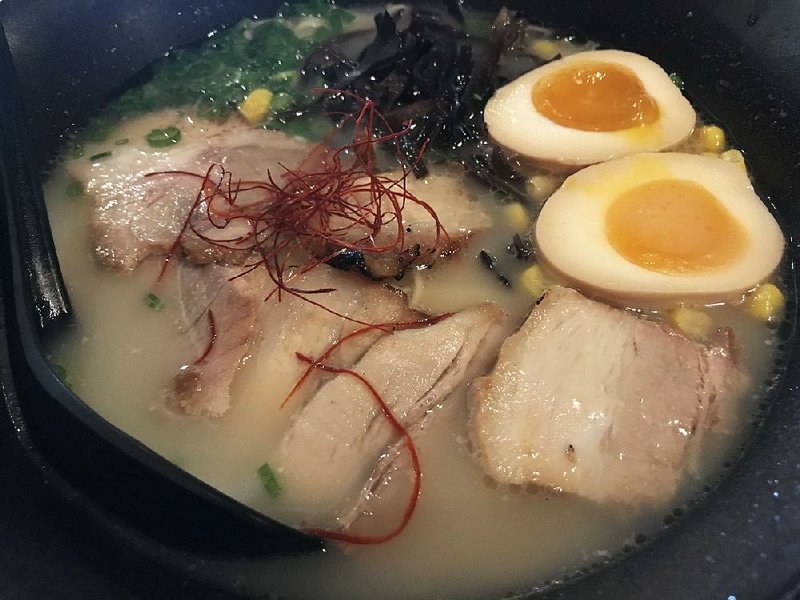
(385, 295)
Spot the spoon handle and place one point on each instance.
(30, 238)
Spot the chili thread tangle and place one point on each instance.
(335, 201)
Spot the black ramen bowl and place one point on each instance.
(86, 512)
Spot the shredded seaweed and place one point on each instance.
(521, 248)
(433, 72)
(490, 263)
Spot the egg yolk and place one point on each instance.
(673, 226)
(594, 96)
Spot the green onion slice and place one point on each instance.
(61, 373)
(100, 155)
(153, 301)
(163, 138)
(269, 481)
(75, 189)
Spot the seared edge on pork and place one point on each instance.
(272, 330)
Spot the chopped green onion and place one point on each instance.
(61, 373)
(100, 155)
(121, 142)
(676, 79)
(269, 481)
(153, 301)
(75, 189)
(162, 138)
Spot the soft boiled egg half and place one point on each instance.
(590, 107)
(654, 230)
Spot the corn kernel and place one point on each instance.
(545, 49)
(516, 216)
(711, 138)
(541, 187)
(734, 156)
(534, 281)
(256, 106)
(766, 302)
(693, 322)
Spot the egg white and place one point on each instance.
(571, 237)
(513, 121)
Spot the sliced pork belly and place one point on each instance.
(136, 216)
(595, 401)
(272, 331)
(295, 325)
(202, 387)
(459, 212)
(338, 438)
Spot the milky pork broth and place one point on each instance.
(475, 361)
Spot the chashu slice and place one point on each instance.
(595, 401)
(446, 193)
(295, 325)
(340, 440)
(135, 216)
(272, 331)
(202, 387)
(140, 211)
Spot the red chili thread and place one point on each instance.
(411, 506)
(387, 327)
(316, 206)
(318, 363)
(333, 201)
(212, 337)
